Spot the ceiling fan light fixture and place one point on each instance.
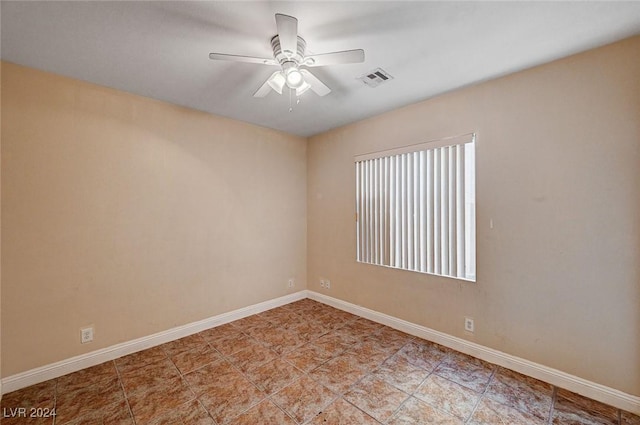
(277, 81)
(294, 77)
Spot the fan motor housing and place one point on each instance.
(282, 57)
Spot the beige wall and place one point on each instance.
(558, 172)
(135, 216)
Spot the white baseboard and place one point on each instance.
(589, 389)
(555, 377)
(55, 370)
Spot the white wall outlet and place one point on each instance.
(86, 335)
(291, 283)
(327, 284)
(469, 326)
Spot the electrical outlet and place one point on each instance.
(327, 284)
(468, 324)
(292, 283)
(86, 335)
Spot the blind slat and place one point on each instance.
(460, 253)
(423, 213)
(453, 221)
(409, 211)
(398, 211)
(429, 208)
(437, 216)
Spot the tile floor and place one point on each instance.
(303, 363)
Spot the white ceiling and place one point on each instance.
(160, 49)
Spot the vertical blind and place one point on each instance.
(415, 207)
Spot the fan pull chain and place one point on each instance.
(290, 104)
(290, 107)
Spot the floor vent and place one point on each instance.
(375, 78)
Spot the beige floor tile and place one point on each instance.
(400, 373)
(416, 412)
(264, 412)
(376, 397)
(225, 403)
(341, 412)
(465, 370)
(448, 396)
(218, 332)
(190, 413)
(115, 414)
(391, 340)
(361, 327)
(423, 354)
(303, 399)
(335, 343)
(191, 342)
(38, 395)
(573, 409)
(232, 342)
(369, 354)
(216, 375)
(139, 359)
(339, 373)
(630, 419)
(86, 377)
(148, 376)
(521, 392)
(251, 357)
(159, 400)
(280, 340)
(308, 357)
(258, 329)
(78, 403)
(306, 332)
(273, 376)
(249, 322)
(490, 412)
(189, 361)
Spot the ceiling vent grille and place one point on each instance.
(375, 78)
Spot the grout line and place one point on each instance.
(554, 396)
(55, 402)
(124, 391)
(482, 395)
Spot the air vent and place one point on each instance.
(375, 78)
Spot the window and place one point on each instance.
(415, 208)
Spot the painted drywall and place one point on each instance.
(558, 173)
(135, 216)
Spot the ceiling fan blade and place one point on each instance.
(335, 58)
(263, 90)
(316, 85)
(287, 33)
(238, 58)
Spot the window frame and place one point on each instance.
(394, 233)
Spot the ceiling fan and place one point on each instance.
(289, 53)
